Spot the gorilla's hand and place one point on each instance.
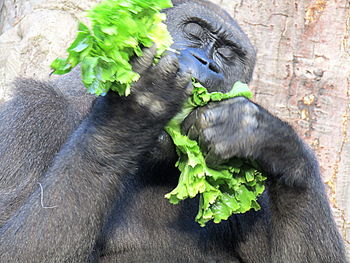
(163, 87)
(224, 130)
(239, 128)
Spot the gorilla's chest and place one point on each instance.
(145, 227)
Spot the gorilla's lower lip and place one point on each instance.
(194, 79)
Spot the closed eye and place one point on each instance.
(194, 30)
(226, 52)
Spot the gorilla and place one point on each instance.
(83, 179)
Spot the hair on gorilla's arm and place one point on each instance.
(33, 126)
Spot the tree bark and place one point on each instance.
(302, 72)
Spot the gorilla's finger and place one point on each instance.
(184, 80)
(208, 116)
(216, 113)
(188, 122)
(168, 65)
(193, 133)
(142, 63)
(212, 159)
(203, 144)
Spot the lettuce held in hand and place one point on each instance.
(233, 188)
(119, 29)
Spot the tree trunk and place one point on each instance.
(302, 73)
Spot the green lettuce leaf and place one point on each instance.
(119, 30)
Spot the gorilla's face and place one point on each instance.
(211, 44)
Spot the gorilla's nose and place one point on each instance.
(202, 58)
(202, 68)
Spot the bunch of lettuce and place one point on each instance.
(231, 188)
(119, 29)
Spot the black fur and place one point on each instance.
(83, 180)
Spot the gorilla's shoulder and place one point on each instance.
(35, 90)
(62, 93)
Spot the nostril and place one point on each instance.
(214, 68)
(203, 61)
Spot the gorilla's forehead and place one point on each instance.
(204, 3)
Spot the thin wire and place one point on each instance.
(42, 198)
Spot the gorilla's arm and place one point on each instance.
(301, 227)
(33, 126)
(62, 221)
